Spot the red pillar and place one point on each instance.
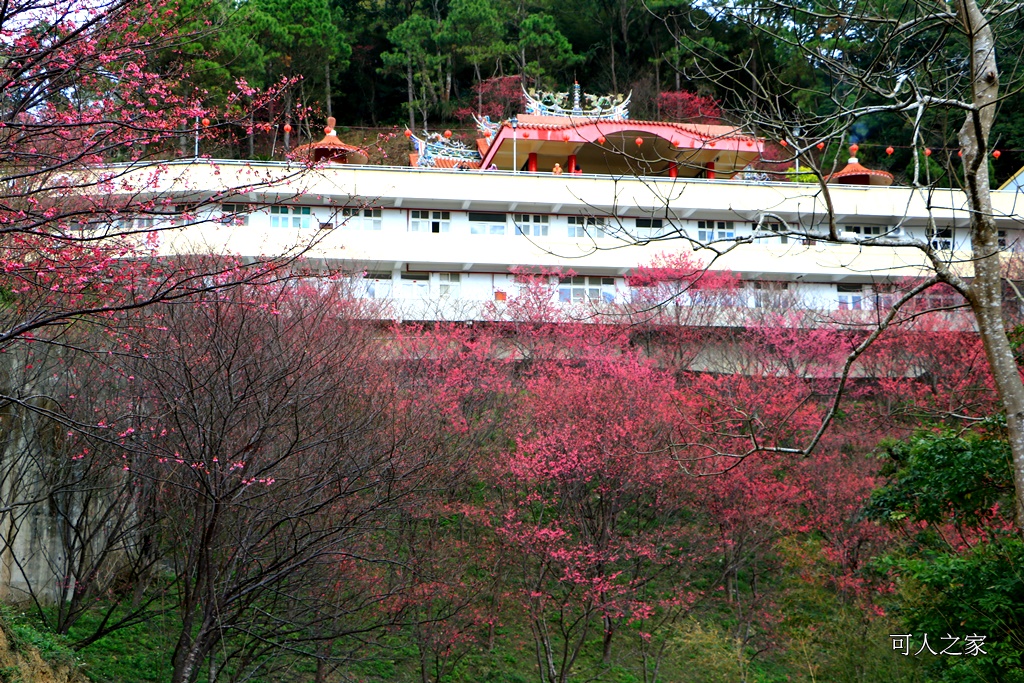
(531, 165)
(673, 169)
(571, 166)
(711, 170)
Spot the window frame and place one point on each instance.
(532, 224)
(713, 231)
(429, 221)
(486, 223)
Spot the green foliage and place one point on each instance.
(980, 591)
(929, 170)
(474, 31)
(299, 36)
(708, 653)
(803, 177)
(945, 477)
(544, 49)
(137, 653)
(23, 635)
(416, 56)
(962, 573)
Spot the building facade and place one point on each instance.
(423, 236)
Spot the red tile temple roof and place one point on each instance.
(331, 148)
(856, 174)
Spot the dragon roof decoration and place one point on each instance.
(581, 105)
(436, 150)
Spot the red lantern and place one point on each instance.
(996, 153)
(287, 128)
(783, 143)
(565, 137)
(206, 122)
(750, 143)
(959, 152)
(447, 134)
(327, 130)
(526, 133)
(711, 144)
(639, 141)
(820, 145)
(600, 140)
(927, 152)
(889, 150)
(853, 150)
(408, 133)
(675, 141)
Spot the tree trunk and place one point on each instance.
(327, 86)
(609, 631)
(611, 52)
(679, 85)
(985, 291)
(287, 118)
(412, 94)
(479, 90)
(447, 95)
(304, 104)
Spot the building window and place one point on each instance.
(577, 226)
(578, 289)
(451, 284)
(279, 216)
(531, 225)
(377, 284)
(649, 228)
(709, 231)
(183, 214)
(850, 297)
(937, 297)
(776, 228)
(295, 217)
(768, 293)
(129, 224)
(584, 226)
(234, 214)
(430, 221)
(486, 223)
(415, 285)
(361, 219)
(941, 238)
(1001, 236)
(771, 285)
(867, 231)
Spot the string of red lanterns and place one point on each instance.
(890, 150)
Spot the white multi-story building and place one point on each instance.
(447, 236)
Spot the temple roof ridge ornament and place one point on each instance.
(437, 150)
(581, 105)
(486, 127)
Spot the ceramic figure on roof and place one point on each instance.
(582, 105)
(486, 128)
